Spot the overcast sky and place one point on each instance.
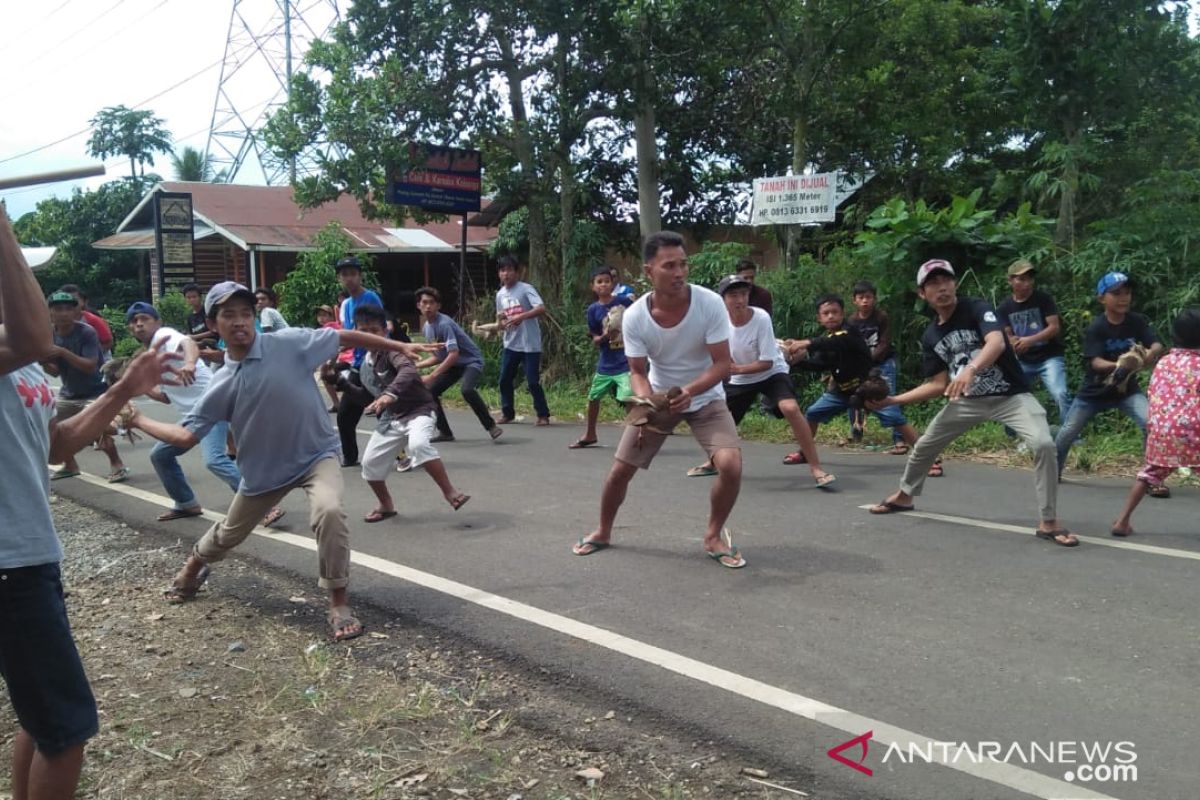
(64, 60)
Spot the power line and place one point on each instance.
(69, 137)
(45, 51)
(113, 162)
(21, 34)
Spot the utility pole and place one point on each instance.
(263, 38)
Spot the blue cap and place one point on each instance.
(1110, 281)
(140, 307)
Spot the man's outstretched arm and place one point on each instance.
(143, 374)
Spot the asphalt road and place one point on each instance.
(962, 628)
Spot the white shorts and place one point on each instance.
(389, 438)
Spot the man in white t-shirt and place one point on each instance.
(182, 388)
(759, 368)
(677, 336)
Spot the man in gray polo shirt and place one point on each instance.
(284, 440)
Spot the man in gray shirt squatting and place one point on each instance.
(284, 440)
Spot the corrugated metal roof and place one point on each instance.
(267, 218)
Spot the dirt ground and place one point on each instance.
(239, 695)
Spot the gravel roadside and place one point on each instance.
(235, 695)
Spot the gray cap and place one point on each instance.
(222, 292)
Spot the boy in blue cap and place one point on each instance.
(1109, 336)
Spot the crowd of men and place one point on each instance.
(241, 381)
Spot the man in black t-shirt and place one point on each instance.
(966, 357)
(197, 322)
(1031, 321)
(847, 358)
(1108, 336)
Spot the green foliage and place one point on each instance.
(174, 310)
(314, 282)
(125, 346)
(109, 277)
(191, 164)
(137, 135)
(714, 261)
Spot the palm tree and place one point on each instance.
(192, 165)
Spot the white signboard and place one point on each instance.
(795, 199)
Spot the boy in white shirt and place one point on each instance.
(759, 368)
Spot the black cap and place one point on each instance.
(349, 262)
(733, 282)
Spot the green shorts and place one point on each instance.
(616, 385)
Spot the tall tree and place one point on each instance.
(110, 277)
(1099, 77)
(137, 135)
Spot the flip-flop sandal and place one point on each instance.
(182, 590)
(179, 513)
(898, 450)
(1122, 533)
(343, 625)
(701, 472)
(795, 458)
(59, 474)
(732, 553)
(379, 516)
(1162, 491)
(888, 507)
(937, 470)
(1053, 536)
(826, 480)
(272, 516)
(582, 443)
(458, 501)
(119, 476)
(592, 547)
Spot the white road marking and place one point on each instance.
(1027, 530)
(1009, 775)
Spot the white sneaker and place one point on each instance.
(404, 464)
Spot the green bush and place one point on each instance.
(174, 310)
(714, 261)
(314, 282)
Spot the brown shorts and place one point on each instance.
(712, 425)
(67, 407)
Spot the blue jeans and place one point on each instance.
(1053, 373)
(1135, 406)
(165, 458)
(830, 404)
(888, 368)
(510, 362)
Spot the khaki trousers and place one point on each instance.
(323, 485)
(1021, 412)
